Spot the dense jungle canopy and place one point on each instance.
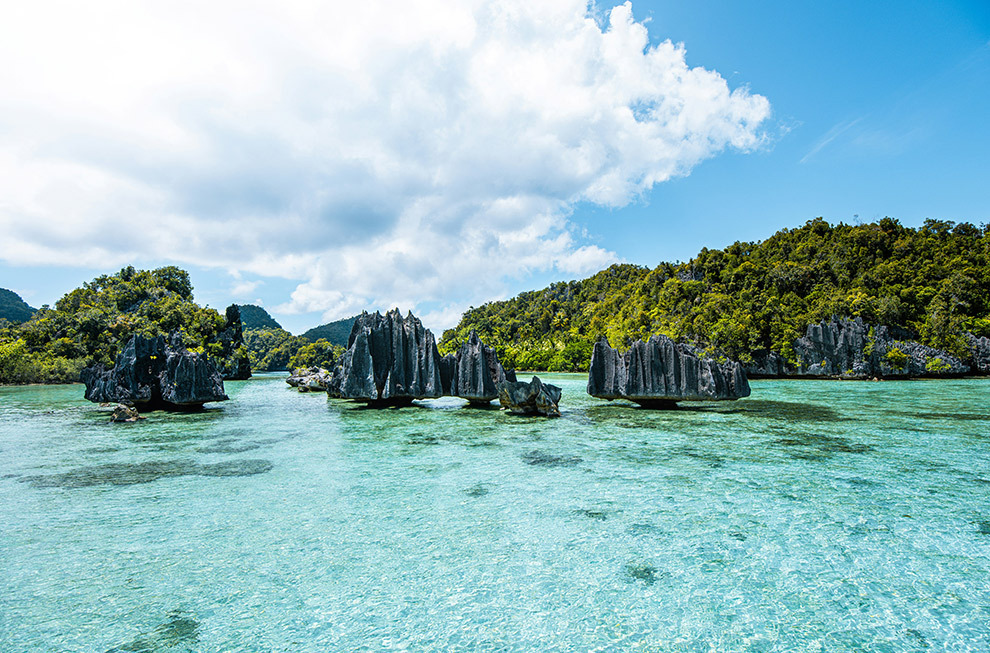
(931, 283)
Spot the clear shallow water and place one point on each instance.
(813, 516)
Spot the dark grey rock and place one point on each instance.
(122, 413)
(850, 348)
(533, 398)
(390, 360)
(312, 379)
(979, 353)
(233, 362)
(473, 373)
(151, 375)
(766, 364)
(660, 372)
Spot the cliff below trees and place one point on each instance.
(91, 325)
(755, 302)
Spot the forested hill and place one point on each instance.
(13, 308)
(92, 323)
(255, 317)
(335, 332)
(932, 282)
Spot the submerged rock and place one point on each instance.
(122, 413)
(179, 630)
(473, 373)
(660, 372)
(146, 472)
(151, 375)
(544, 459)
(533, 398)
(390, 360)
(312, 379)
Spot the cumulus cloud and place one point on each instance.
(382, 153)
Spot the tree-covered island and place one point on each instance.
(930, 284)
(747, 302)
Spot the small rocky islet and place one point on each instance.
(392, 360)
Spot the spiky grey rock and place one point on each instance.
(850, 348)
(311, 379)
(533, 398)
(233, 362)
(151, 375)
(658, 373)
(473, 373)
(979, 353)
(390, 360)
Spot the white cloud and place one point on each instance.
(382, 153)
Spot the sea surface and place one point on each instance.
(812, 516)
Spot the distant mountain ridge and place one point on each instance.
(255, 317)
(336, 332)
(13, 308)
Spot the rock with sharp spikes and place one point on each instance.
(390, 360)
(473, 373)
(152, 375)
(658, 373)
(979, 351)
(533, 398)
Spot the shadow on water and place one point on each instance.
(963, 417)
(806, 446)
(629, 415)
(179, 630)
(787, 411)
(146, 472)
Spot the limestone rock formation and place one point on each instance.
(852, 349)
(660, 372)
(473, 373)
(122, 413)
(150, 374)
(312, 379)
(766, 364)
(233, 363)
(390, 360)
(979, 353)
(533, 398)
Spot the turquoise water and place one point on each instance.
(813, 516)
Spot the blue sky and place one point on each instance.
(389, 170)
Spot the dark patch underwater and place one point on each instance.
(146, 472)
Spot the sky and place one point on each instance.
(320, 159)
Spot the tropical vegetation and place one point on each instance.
(91, 324)
(931, 284)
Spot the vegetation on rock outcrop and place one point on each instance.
(931, 284)
(91, 324)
